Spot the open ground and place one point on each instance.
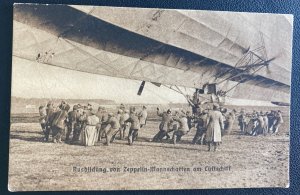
(261, 161)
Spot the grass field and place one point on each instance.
(261, 161)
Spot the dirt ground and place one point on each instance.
(261, 161)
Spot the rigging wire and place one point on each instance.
(241, 81)
(42, 82)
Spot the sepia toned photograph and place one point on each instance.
(118, 98)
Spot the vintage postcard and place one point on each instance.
(111, 98)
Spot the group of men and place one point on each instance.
(208, 123)
(212, 124)
(257, 123)
(87, 125)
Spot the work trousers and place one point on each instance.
(132, 135)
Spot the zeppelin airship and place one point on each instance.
(228, 54)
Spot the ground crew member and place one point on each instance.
(266, 123)
(214, 127)
(201, 128)
(42, 118)
(79, 123)
(242, 121)
(143, 116)
(126, 125)
(183, 127)
(229, 122)
(71, 120)
(58, 125)
(134, 126)
(104, 121)
(112, 128)
(279, 121)
(50, 114)
(259, 129)
(164, 126)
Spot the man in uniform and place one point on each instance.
(86, 112)
(104, 121)
(165, 126)
(201, 128)
(214, 127)
(229, 122)
(183, 127)
(266, 123)
(242, 121)
(122, 107)
(58, 124)
(126, 125)
(62, 105)
(120, 118)
(259, 129)
(279, 121)
(190, 119)
(42, 118)
(79, 123)
(71, 120)
(134, 127)
(272, 121)
(143, 116)
(112, 128)
(50, 113)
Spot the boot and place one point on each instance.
(209, 146)
(215, 147)
(174, 139)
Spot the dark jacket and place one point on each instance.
(134, 120)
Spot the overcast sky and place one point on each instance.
(35, 80)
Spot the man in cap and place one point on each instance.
(119, 114)
(71, 120)
(86, 111)
(165, 125)
(183, 127)
(266, 122)
(103, 117)
(271, 120)
(50, 114)
(259, 129)
(62, 104)
(120, 117)
(201, 127)
(229, 122)
(214, 127)
(134, 126)
(223, 110)
(42, 118)
(242, 120)
(122, 107)
(190, 119)
(126, 125)
(279, 121)
(79, 123)
(143, 116)
(112, 128)
(58, 124)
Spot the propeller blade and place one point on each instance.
(141, 88)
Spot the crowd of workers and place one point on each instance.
(86, 125)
